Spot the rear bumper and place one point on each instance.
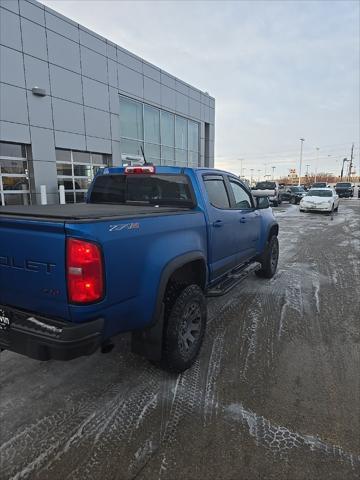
(44, 338)
(316, 208)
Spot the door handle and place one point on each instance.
(242, 220)
(218, 223)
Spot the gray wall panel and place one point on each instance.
(70, 141)
(114, 100)
(68, 116)
(130, 81)
(10, 5)
(97, 123)
(63, 52)
(40, 111)
(98, 145)
(66, 84)
(10, 29)
(34, 39)
(111, 51)
(168, 97)
(60, 26)
(13, 105)
(182, 103)
(112, 72)
(90, 41)
(96, 94)
(115, 127)
(151, 71)
(128, 60)
(151, 91)
(36, 73)
(116, 154)
(93, 65)
(14, 132)
(43, 144)
(11, 67)
(32, 12)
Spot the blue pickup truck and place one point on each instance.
(141, 255)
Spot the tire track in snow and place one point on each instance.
(280, 440)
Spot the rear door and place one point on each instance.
(222, 238)
(246, 222)
(32, 266)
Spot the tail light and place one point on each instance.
(84, 269)
(140, 169)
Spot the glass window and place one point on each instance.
(64, 169)
(181, 133)
(131, 119)
(167, 155)
(12, 150)
(63, 155)
(193, 159)
(81, 157)
(83, 171)
(14, 179)
(167, 129)
(242, 198)
(193, 136)
(131, 147)
(13, 166)
(152, 124)
(76, 175)
(15, 183)
(17, 199)
(99, 158)
(152, 150)
(216, 191)
(181, 157)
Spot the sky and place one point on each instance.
(279, 71)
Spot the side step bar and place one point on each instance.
(232, 279)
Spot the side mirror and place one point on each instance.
(262, 202)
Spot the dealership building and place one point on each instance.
(72, 102)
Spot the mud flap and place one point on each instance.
(148, 342)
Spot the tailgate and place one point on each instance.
(32, 266)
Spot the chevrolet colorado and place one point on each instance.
(141, 255)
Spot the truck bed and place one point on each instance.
(84, 211)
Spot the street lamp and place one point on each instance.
(317, 161)
(259, 174)
(251, 175)
(241, 166)
(301, 153)
(273, 170)
(307, 170)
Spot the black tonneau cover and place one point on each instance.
(84, 211)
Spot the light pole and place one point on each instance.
(241, 166)
(259, 175)
(273, 170)
(251, 175)
(301, 153)
(307, 170)
(317, 161)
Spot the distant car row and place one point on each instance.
(295, 194)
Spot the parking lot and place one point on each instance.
(274, 394)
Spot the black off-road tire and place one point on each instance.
(269, 259)
(185, 317)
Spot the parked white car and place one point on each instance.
(321, 199)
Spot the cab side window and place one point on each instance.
(242, 197)
(216, 190)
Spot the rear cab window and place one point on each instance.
(154, 189)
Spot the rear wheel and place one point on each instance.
(269, 259)
(185, 323)
(292, 200)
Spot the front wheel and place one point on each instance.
(185, 323)
(269, 259)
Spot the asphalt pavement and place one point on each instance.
(275, 393)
